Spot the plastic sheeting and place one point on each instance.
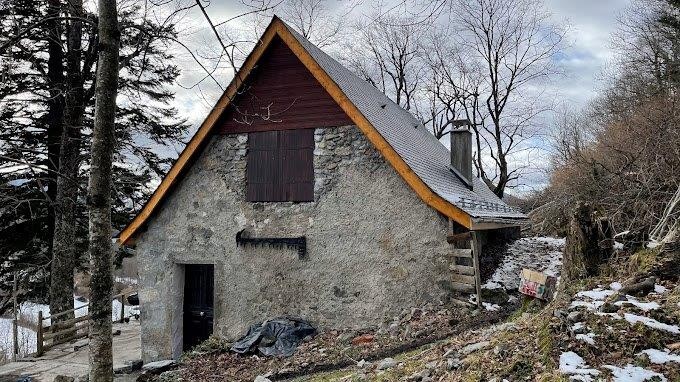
(278, 337)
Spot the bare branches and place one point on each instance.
(316, 21)
(393, 58)
(514, 44)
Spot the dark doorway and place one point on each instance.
(198, 303)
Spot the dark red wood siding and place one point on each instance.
(282, 84)
(280, 166)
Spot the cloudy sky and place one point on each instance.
(590, 26)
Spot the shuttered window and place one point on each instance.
(280, 166)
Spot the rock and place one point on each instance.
(558, 313)
(346, 337)
(473, 347)
(129, 367)
(500, 350)
(363, 339)
(452, 363)
(431, 365)
(64, 378)
(639, 289)
(170, 376)
(262, 378)
(608, 307)
(386, 363)
(158, 367)
(496, 296)
(363, 364)
(420, 376)
(146, 376)
(449, 353)
(575, 316)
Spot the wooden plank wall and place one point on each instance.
(283, 87)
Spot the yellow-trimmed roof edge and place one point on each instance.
(278, 28)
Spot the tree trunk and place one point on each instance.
(99, 194)
(589, 244)
(64, 252)
(55, 114)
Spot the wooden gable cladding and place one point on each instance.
(280, 166)
(281, 94)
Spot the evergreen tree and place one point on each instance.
(34, 98)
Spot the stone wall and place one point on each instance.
(373, 247)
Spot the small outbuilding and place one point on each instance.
(307, 192)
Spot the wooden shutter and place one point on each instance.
(280, 166)
(262, 173)
(297, 155)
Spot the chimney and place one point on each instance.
(461, 152)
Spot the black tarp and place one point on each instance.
(277, 337)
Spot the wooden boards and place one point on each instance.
(465, 268)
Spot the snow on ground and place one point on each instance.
(572, 364)
(543, 254)
(660, 289)
(490, 307)
(587, 338)
(652, 323)
(596, 294)
(645, 306)
(631, 373)
(27, 339)
(660, 357)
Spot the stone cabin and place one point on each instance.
(305, 192)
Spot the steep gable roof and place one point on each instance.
(420, 159)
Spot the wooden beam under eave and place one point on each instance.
(481, 226)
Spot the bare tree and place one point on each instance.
(392, 57)
(316, 20)
(454, 92)
(516, 44)
(99, 194)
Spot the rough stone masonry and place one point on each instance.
(373, 247)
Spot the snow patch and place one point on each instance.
(616, 286)
(618, 246)
(631, 373)
(596, 294)
(645, 306)
(660, 357)
(587, 338)
(577, 326)
(660, 289)
(594, 305)
(572, 363)
(543, 254)
(652, 323)
(490, 307)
